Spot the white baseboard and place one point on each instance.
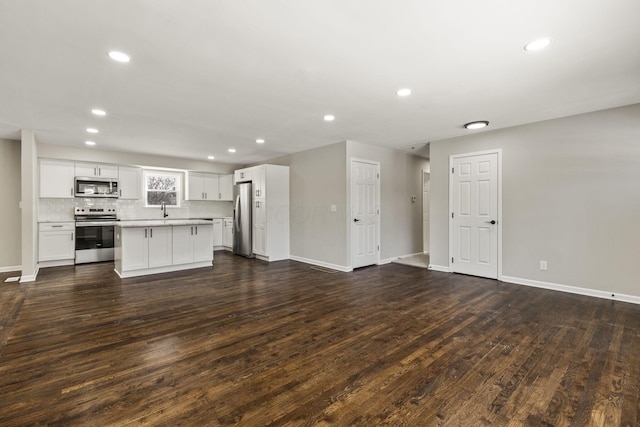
(387, 261)
(31, 278)
(573, 289)
(10, 268)
(442, 268)
(321, 264)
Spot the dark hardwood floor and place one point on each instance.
(254, 344)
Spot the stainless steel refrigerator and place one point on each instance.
(242, 237)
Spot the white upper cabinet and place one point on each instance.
(96, 170)
(209, 186)
(226, 187)
(56, 179)
(242, 175)
(129, 182)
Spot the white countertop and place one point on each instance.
(161, 222)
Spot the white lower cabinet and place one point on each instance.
(191, 243)
(56, 243)
(227, 233)
(146, 247)
(217, 233)
(141, 250)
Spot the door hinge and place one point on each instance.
(378, 211)
(451, 260)
(378, 247)
(451, 170)
(451, 214)
(378, 175)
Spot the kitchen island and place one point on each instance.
(159, 246)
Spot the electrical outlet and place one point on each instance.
(543, 265)
(333, 208)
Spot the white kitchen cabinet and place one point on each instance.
(217, 233)
(242, 175)
(259, 226)
(56, 179)
(226, 187)
(270, 210)
(96, 170)
(227, 233)
(56, 243)
(146, 247)
(129, 182)
(191, 243)
(160, 246)
(203, 186)
(202, 239)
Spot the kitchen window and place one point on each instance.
(162, 187)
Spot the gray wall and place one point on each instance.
(319, 178)
(571, 196)
(400, 178)
(10, 221)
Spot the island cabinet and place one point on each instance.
(191, 243)
(146, 247)
(159, 246)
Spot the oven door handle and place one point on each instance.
(95, 223)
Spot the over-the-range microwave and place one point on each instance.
(96, 187)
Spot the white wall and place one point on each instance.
(29, 200)
(571, 196)
(51, 151)
(10, 215)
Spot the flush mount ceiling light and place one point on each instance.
(329, 118)
(119, 56)
(98, 112)
(90, 143)
(231, 150)
(92, 130)
(476, 125)
(260, 141)
(403, 92)
(537, 44)
(210, 157)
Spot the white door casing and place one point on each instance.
(426, 177)
(365, 213)
(475, 214)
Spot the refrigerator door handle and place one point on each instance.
(236, 217)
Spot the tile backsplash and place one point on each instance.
(62, 209)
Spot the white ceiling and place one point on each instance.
(207, 75)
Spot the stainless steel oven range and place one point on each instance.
(94, 234)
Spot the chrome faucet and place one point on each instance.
(163, 206)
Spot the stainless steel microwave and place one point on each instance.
(96, 187)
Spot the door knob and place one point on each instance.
(493, 221)
(355, 220)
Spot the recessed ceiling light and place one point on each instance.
(403, 92)
(476, 125)
(329, 118)
(210, 157)
(260, 141)
(119, 56)
(92, 130)
(90, 143)
(231, 150)
(98, 112)
(537, 44)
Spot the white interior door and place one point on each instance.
(365, 213)
(474, 219)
